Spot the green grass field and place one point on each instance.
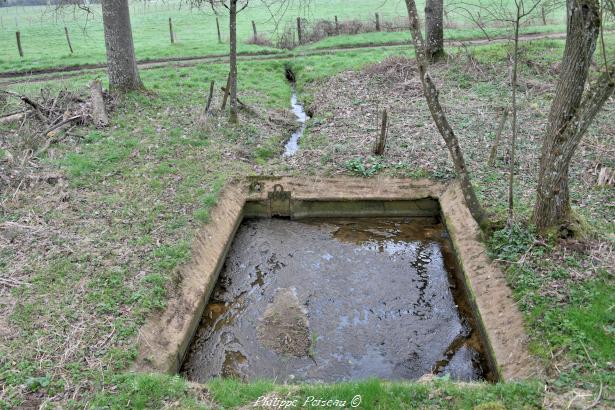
(139, 190)
(99, 253)
(44, 42)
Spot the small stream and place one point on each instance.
(293, 143)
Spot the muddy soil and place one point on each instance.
(334, 300)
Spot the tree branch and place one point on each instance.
(431, 95)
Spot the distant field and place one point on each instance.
(461, 34)
(44, 42)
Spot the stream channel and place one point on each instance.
(293, 143)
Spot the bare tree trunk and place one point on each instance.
(218, 28)
(233, 60)
(498, 136)
(513, 142)
(121, 62)
(12, 118)
(99, 111)
(543, 15)
(570, 114)
(439, 117)
(434, 17)
(552, 209)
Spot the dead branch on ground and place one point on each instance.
(44, 121)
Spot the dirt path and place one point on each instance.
(60, 73)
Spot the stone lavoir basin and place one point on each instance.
(337, 299)
(331, 280)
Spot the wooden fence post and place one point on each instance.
(377, 22)
(171, 31)
(254, 30)
(70, 46)
(379, 150)
(544, 16)
(205, 114)
(299, 35)
(218, 27)
(226, 92)
(18, 37)
(494, 148)
(211, 94)
(337, 27)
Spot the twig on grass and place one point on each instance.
(587, 354)
(12, 283)
(53, 140)
(597, 400)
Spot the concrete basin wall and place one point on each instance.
(166, 336)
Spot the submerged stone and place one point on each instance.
(284, 328)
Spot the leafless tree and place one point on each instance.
(235, 7)
(431, 95)
(572, 111)
(522, 10)
(434, 29)
(121, 61)
(515, 15)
